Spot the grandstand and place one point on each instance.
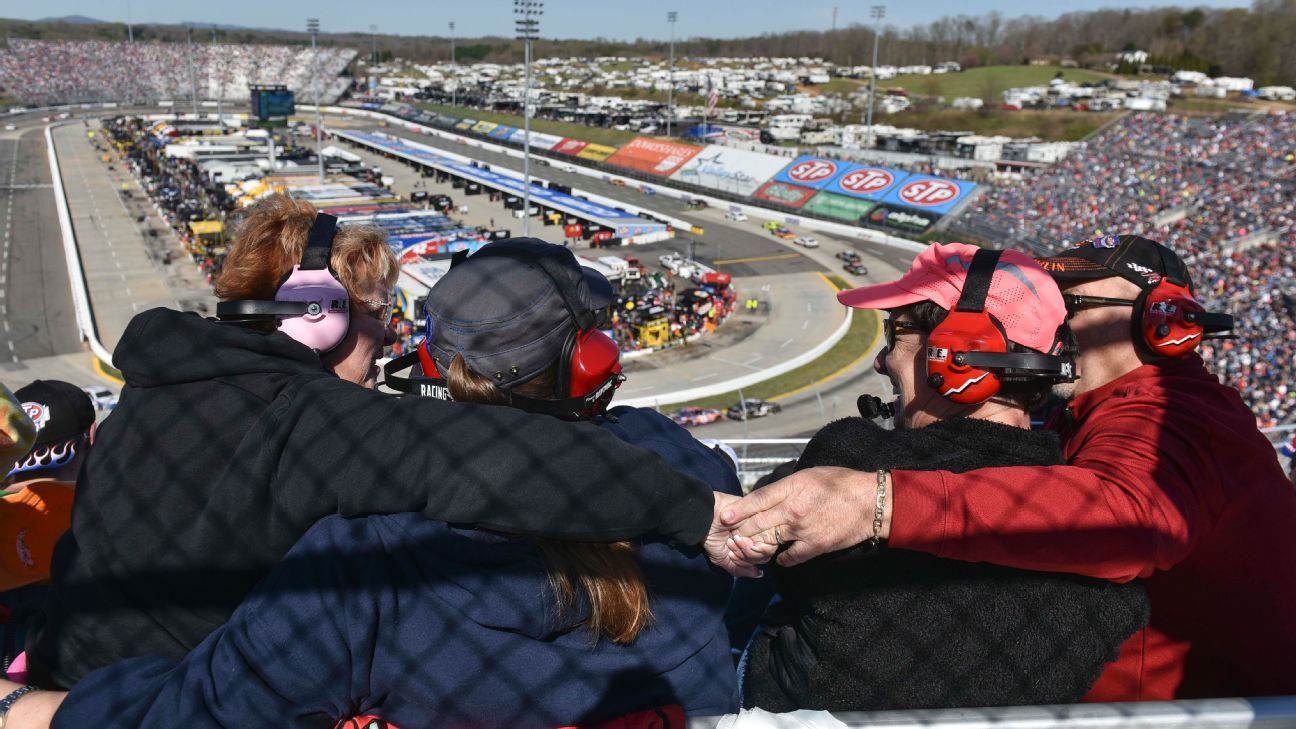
(1218, 190)
(44, 73)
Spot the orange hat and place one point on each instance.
(31, 521)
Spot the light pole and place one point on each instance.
(312, 27)
(454, 90)
(877, 13)
(373, 38)
(193, 80)
(130, 28)
(671, 17)
(220, 82)
(528, 29)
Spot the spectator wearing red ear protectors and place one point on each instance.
(875, 628)
(1166, 479)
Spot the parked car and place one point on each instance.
(695, 416)
(104, 399)
(848, 256)
(856, 268)
(736, 216)
(745, 409)
(806, 241)
(784, 233)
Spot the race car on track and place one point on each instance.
(695, 416)
(848, 256)
(784, 233)
(744, 409)
(856, 268)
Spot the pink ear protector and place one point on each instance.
(311, 305)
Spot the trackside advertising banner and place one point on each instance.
(570, 146)
(730, 170)
(596, 152)
(811, 172)
(841, 207)
(784, 194)
(654, 156)
(865, 182)
(903, 219)
(502, 132)
(484, 127)
(538, 140)
(929, 194)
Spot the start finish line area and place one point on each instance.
(624, 225)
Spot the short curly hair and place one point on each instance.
(269, 240)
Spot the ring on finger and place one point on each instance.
(778, 536)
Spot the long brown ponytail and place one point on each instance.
(607, 574)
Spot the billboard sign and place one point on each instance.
(570, 146)
(596, 152)
(812, 172)
(869, 183)
(731, 170)
(909, 221)
(538, 140)
(782, 193)
(654, 156)
(502, 132)
(484, 127)
(929, 194)
(841, 207)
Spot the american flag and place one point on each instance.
(713, 97)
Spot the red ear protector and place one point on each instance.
(1168, 321)
(967, 353)
(311, 304)
(589, 363)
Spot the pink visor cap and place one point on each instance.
(1023, 297)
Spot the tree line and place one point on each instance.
(1255, 42)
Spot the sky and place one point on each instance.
(615, 19)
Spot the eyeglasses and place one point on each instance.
(891, 326)
(380, 310)
(1075, 301)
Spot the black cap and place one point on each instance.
(60, 410)
(1134, 258)
(502, 309)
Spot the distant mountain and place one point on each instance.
(73, 20)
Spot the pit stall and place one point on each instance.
(627, 227)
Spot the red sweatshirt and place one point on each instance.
(1169, 480)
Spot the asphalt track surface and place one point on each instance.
(37, 318)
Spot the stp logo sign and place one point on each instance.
(812, 170)
(868, 179)
(929, 192)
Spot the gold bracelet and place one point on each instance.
(879, 507)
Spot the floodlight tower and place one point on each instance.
(454, 93)
(671, 17)
(220, 81)
(312, 27)
(528, 30)
(373, 42)
(877, 12)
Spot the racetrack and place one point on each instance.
(36, 314)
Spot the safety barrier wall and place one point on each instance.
(76, 274)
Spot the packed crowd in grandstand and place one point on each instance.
(1221, 191)
(39, 73)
